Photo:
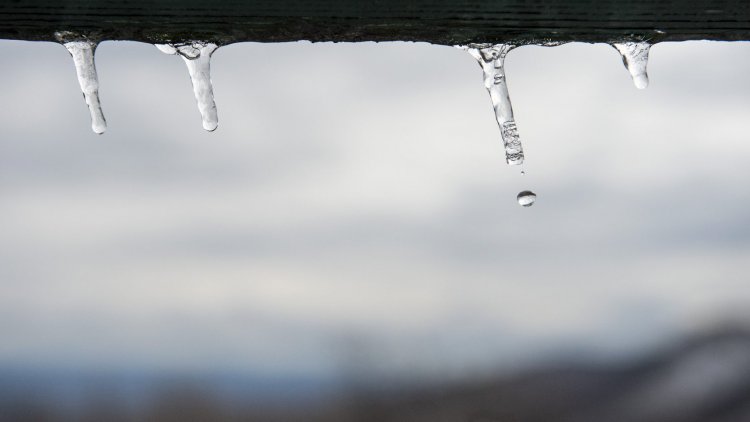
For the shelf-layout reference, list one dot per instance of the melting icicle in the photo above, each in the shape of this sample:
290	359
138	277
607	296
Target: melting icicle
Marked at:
492	61
526	198
83	58
197	56
635	59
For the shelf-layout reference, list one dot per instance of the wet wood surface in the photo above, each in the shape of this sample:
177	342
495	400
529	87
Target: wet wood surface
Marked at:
437	21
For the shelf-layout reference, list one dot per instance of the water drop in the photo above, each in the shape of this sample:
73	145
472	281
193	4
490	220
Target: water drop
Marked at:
197	57
83	59
526	198
635	59
492	60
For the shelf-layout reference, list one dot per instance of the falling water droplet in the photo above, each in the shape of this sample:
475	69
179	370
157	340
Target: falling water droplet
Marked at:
635	59
492	60
197	56
83	58
526	198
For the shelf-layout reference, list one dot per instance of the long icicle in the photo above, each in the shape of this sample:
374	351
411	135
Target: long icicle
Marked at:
197	57
492	61
83	58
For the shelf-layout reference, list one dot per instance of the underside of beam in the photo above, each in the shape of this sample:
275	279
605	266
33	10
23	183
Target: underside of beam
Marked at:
447	22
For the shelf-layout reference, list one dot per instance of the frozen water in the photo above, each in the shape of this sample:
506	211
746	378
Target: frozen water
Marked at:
166	48
83	58
197	57
526	198
492	60
635	59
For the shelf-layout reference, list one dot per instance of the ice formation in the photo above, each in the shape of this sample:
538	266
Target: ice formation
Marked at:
635	59
83	58
197	56
492	60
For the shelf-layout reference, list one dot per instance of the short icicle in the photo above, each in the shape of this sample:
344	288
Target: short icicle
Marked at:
492	60
635	58
197	56
83	58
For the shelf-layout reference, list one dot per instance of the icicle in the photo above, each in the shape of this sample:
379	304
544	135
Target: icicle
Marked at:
635	59
197	56
83	58
492	61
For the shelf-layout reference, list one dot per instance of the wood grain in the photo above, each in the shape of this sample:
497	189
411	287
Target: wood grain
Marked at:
437	21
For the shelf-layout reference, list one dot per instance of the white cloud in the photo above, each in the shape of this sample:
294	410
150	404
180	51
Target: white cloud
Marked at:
362	189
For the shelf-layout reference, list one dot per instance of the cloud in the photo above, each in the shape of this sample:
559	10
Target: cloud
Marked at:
359	191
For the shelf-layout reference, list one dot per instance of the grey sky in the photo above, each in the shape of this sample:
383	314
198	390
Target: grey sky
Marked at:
357	194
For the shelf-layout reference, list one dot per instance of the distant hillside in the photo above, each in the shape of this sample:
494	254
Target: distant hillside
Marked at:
704	379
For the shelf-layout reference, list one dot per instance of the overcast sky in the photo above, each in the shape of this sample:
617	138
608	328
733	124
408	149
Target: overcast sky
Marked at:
354	208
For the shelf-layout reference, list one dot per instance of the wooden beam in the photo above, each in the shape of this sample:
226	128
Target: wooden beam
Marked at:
447	22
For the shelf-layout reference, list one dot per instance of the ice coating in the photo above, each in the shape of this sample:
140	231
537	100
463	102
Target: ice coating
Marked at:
492	60
197	57
166	48
635	59
83	58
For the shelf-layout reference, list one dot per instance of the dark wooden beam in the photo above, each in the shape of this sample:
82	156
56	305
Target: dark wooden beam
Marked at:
437	21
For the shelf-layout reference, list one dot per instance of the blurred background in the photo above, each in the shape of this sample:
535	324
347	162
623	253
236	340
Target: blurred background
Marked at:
348	246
